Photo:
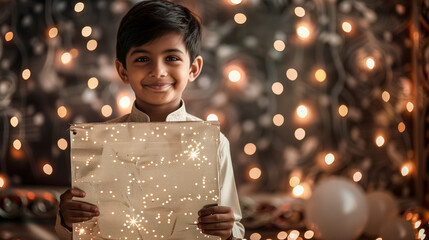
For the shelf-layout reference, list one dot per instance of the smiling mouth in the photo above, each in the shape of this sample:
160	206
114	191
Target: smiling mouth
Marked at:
158	86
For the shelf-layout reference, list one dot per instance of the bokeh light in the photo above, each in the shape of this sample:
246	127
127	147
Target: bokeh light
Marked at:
282	235
380	141
255	236
294	234
294	181
357	176
298	191
106	111
299	12
329	158
303	32
255	173
279	45
278	120
370	63
26	74
14	121
299	134
91	45
86	31
62	112
347	27
17	144
62	144
78	7
8	36
302	111
53	32
234	76
410	106
320	75
125	102
212	117
250	149
385	96
66	58
277	88
240	18
291	74
92	83
47	169
309	234
343	110
401	127
236	1
405	170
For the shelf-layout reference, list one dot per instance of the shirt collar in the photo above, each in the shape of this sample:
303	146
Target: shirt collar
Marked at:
179	115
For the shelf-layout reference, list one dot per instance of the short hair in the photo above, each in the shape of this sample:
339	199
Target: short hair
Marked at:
149	20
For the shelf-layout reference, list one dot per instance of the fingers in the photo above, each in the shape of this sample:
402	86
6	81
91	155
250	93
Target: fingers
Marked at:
76	211
217	221
72	192
214	210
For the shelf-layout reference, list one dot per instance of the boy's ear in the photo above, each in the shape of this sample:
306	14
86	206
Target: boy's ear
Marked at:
122	72
196	68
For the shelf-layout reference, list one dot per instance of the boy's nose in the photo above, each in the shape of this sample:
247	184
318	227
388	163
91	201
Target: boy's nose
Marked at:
158	70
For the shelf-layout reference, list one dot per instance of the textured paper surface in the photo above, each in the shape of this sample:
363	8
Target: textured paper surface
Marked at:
149	180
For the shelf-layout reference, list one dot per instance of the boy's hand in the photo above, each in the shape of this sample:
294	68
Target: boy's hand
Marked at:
217	221
76	211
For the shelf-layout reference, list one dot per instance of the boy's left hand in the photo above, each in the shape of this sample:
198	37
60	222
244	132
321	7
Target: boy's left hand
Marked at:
217	221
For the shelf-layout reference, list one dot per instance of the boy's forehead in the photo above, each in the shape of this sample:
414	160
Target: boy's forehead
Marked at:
170	40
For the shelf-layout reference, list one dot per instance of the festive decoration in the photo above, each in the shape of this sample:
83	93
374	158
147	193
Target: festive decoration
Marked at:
138	174
382	206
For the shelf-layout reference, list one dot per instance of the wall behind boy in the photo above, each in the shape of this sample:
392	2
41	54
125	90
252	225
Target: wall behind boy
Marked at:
303	89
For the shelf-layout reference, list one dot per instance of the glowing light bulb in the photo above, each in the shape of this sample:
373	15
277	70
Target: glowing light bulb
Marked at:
291	74
26	74
53	32
282	235
294	181
302	111
255	173
298	191
250	149
8	36
385	96
47	169
62	112
66	58
125	102
299	134
299	12
410	106
278	120
92	83
14	121
343	110
62	144
401	127
78	7
86	31
106	110
370	63
320	75
405	171
236	1
17	144
329	158
277	88
279	45
91	45
234	76
240	18
303	32
347	27
212	117
379	141
357	176
308	234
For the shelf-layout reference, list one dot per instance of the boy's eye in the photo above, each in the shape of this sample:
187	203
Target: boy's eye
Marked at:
142	59
172	58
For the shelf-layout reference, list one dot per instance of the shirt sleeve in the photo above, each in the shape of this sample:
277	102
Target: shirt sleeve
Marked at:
62	232
228	190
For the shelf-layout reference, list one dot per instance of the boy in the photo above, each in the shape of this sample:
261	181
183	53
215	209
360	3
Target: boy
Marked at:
158	54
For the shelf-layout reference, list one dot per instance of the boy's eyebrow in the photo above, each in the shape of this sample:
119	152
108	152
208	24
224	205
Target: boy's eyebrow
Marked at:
137	50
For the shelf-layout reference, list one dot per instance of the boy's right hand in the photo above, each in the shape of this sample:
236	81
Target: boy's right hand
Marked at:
76	211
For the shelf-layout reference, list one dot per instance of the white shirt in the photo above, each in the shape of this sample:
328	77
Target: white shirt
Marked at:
228	191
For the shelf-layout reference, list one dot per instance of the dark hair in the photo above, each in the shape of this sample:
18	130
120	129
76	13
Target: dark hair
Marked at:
149	20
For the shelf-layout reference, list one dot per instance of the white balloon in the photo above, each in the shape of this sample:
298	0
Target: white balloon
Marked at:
337	209
382	206
397	229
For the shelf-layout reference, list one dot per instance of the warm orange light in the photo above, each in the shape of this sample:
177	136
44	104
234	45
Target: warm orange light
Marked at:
343	110
53	32
379	141
86	31
405	170
357	176
91	45
47	169
291	74
282	235
370	63
26	73
125	102
299	12
385	96
303	32
278	120
106	110
8	36
347	27
329	158
401	127
320	75
250	149
92	83
17	144
277	88
78	7
240	18
212	117
62	144
309	234
236	1
279	45
410	106
2	182
299	134
302	111
62	112
255	236
66	58
14	121
255	173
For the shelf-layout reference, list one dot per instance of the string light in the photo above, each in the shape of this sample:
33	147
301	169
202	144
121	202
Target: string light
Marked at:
294	234
380	141
78	7
106	110
291	74
26	73
250	149
303	32
401	127
302	111
66	58
234	76
125	102
357	176
17	144
47	169
294	181
62	144
329	159
255	173
277	88
299	134
410	106
14	121
255	236
278	120
240	18
92	83
309	234
385	96
53	32
91	45
212	117
320	75
405	170
279	45
299	12
86	31
282	235
343	110
370	63
347	27
8	36
298	191
62	112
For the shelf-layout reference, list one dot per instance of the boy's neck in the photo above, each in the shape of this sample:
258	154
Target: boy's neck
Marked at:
157	113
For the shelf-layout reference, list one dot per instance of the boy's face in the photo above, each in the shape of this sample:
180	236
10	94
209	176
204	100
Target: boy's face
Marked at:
159	71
